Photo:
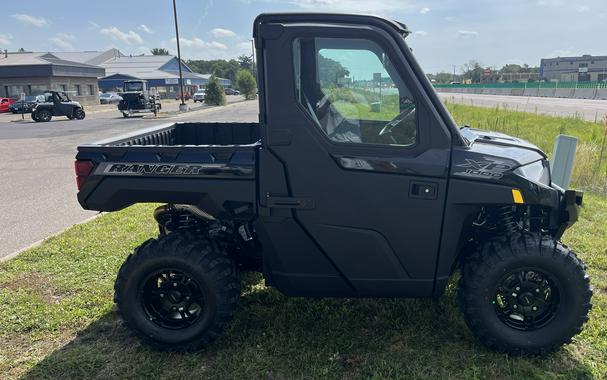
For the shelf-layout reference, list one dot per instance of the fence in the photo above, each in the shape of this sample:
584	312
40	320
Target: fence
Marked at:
579	90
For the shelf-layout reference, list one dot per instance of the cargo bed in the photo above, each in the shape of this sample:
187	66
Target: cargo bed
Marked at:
173	163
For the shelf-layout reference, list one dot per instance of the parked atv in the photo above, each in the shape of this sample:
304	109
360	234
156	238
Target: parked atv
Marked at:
338	192
57	104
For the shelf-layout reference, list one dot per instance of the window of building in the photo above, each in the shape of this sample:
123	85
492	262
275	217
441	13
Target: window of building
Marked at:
90	89
37	89
15	91
583	64
77	90
352	92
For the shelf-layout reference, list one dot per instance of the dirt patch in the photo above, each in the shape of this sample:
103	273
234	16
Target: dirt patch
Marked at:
37	283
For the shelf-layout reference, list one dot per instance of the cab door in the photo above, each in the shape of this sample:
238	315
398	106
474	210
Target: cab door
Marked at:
363	155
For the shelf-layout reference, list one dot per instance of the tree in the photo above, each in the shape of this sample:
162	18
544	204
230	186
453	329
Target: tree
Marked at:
21	50
329	71
215	93
473	71
246	62
159	51
246	84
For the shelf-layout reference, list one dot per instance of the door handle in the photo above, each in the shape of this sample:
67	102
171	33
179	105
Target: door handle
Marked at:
423	190
289	202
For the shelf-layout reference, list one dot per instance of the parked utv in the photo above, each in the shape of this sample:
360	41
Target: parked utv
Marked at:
136	98
57	104
341	192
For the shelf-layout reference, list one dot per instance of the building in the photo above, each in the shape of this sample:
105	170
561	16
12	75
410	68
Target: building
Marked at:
586	68
83	74
160	71
34	73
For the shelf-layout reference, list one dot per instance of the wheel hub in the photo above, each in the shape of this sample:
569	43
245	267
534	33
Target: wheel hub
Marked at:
172	299
526	299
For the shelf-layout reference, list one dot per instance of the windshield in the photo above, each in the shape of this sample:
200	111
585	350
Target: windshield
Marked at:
133	86
34	98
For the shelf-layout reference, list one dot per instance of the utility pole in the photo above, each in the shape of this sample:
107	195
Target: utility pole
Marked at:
453	73
182	106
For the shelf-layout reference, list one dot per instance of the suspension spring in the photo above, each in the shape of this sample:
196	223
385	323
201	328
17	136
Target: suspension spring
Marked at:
506	219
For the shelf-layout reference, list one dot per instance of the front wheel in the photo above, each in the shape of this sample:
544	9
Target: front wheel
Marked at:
79	114
177	292
524	294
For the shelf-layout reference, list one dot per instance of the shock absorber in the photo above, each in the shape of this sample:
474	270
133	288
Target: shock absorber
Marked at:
506	219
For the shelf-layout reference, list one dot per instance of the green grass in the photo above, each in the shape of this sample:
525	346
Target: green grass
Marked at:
57	317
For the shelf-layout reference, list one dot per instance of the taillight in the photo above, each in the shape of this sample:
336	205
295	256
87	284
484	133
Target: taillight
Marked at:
83	170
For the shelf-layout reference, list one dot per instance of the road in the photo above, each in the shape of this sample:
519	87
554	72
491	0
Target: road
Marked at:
587	109
38	186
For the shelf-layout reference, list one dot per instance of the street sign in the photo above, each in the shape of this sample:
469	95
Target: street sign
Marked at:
376	77
171	81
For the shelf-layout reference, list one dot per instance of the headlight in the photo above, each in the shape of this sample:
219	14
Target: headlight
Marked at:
538	172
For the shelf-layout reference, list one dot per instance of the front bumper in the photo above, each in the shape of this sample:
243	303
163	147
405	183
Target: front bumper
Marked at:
569	210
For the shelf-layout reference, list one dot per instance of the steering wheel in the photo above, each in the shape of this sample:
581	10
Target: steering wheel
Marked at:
407	112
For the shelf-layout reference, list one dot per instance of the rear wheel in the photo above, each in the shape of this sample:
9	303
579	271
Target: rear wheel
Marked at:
524	294
79	114
126	114
42	115
177	292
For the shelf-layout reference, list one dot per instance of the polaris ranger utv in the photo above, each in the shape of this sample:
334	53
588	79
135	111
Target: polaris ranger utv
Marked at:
341	192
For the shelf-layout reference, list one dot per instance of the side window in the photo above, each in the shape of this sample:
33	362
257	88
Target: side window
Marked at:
352	91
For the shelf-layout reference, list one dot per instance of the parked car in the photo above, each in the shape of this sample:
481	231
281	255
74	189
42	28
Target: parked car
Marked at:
186	96
231	91
26	105
5	103
326	204
199	96
109	98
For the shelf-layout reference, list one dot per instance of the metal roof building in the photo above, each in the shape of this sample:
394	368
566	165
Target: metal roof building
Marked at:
160	71
587	68
33	73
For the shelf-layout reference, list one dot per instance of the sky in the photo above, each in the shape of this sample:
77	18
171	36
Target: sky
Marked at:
446	33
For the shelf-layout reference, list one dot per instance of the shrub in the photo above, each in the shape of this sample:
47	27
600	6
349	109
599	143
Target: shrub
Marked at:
215	93
246	84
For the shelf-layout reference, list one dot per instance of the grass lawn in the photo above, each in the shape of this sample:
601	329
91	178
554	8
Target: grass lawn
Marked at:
57	320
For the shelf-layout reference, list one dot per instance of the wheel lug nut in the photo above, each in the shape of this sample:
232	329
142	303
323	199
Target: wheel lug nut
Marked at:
537	290
161	295
517	288
187	297
515	306
174	284
534	308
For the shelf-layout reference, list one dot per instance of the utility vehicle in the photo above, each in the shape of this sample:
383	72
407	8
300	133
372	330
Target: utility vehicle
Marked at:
339	191
57	103
137	98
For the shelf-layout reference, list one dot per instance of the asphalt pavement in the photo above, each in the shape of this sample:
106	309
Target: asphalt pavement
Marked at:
38	185
587	109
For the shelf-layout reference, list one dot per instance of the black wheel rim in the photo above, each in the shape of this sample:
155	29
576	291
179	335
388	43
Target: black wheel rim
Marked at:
172	299
526	299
